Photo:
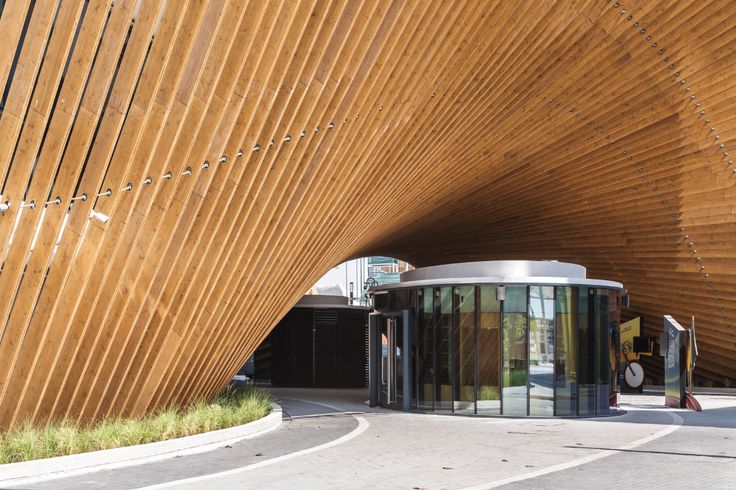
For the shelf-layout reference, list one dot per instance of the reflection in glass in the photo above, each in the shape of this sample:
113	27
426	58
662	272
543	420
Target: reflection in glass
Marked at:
586	351
489	396
515	351
425	349
465	349
541	350
602	352
384	361
614	319
398	361
443	307
565	350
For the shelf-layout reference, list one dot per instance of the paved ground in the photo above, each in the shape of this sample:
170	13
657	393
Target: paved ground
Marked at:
346	445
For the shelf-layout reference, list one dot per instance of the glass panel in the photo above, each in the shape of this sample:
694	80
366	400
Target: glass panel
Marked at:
380	302
489	396
383	389
443	305
425	349
515	301
399	360
565	351
541	350
464	349
602	354
515	352
586	351
399	299
614	322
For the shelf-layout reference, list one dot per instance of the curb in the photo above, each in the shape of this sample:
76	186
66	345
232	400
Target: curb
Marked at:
34	471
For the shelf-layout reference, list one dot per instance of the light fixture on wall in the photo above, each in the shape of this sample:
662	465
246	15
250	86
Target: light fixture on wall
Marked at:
500	293
102	218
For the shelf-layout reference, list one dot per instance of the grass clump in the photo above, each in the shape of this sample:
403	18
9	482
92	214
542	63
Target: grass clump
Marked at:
234	407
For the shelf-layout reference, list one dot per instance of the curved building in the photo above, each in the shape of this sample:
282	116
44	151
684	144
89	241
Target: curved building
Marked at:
176	174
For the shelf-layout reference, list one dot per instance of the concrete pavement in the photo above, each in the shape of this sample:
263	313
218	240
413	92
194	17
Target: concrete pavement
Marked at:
332	440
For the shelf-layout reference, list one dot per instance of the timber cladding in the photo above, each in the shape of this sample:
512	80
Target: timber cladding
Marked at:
233	151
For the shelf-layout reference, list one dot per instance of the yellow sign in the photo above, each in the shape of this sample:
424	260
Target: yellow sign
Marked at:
628	331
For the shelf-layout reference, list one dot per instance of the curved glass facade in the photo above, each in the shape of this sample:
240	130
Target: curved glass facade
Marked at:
487	349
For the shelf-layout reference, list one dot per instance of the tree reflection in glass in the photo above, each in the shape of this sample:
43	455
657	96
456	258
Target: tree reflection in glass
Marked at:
541	350
515	351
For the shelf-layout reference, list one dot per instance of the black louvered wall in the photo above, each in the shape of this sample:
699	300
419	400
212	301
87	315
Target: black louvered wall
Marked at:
316	347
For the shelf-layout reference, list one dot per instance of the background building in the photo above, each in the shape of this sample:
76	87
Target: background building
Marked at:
355	276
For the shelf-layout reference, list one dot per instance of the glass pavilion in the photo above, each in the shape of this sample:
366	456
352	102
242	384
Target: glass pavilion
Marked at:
511	338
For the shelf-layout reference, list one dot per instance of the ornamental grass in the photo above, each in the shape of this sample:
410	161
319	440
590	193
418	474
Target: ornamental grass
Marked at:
27	442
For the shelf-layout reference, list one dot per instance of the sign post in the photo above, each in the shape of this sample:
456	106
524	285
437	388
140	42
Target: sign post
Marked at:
675	363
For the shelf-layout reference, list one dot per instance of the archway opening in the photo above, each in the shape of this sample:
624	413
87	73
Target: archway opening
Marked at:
322	342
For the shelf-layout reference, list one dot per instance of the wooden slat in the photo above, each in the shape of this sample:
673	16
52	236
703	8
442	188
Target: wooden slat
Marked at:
430	131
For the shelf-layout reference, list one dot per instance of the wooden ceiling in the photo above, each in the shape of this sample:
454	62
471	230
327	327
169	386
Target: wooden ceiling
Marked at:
242	148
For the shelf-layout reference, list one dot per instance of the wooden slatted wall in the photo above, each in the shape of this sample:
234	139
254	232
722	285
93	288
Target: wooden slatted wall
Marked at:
175	174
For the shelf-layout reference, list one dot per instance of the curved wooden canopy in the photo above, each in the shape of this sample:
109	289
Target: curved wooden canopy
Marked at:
242	148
